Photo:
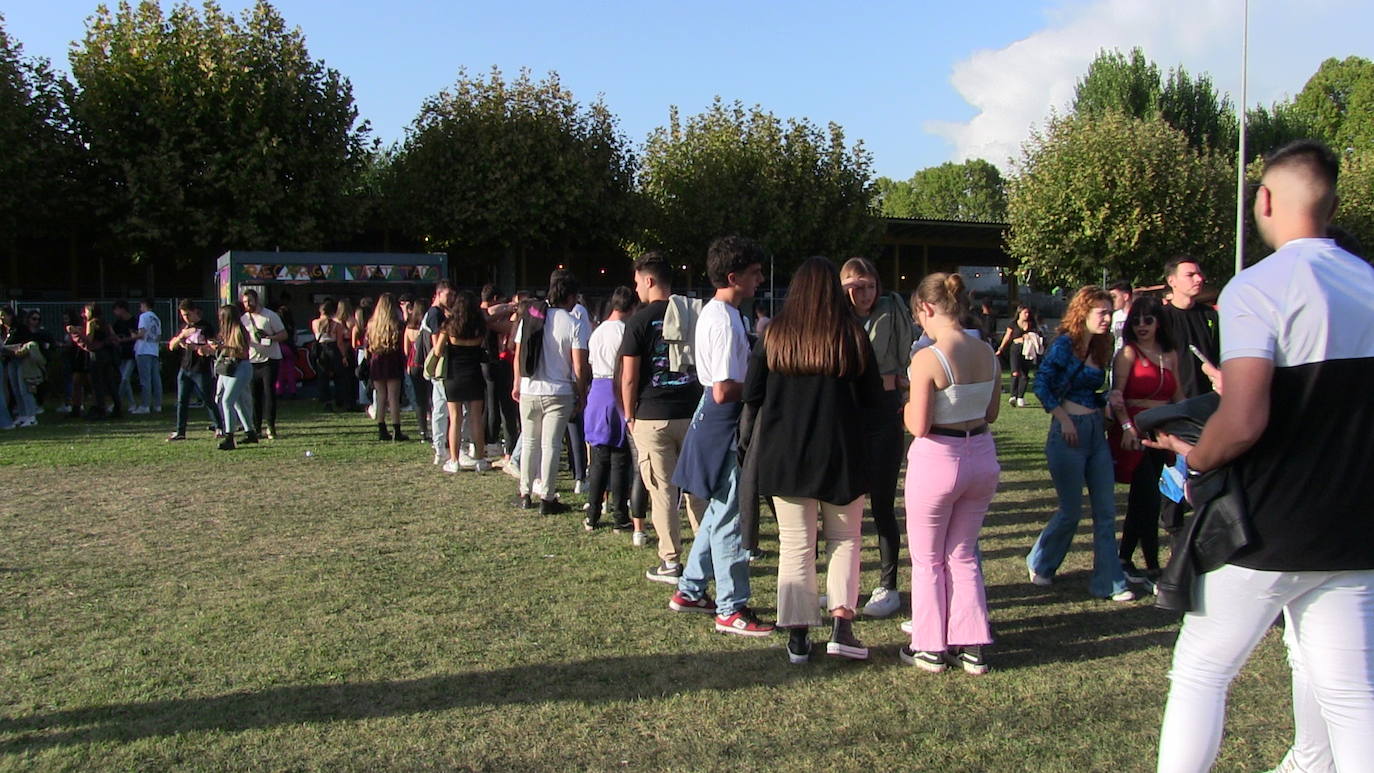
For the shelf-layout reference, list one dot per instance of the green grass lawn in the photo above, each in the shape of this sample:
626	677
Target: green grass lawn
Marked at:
169	606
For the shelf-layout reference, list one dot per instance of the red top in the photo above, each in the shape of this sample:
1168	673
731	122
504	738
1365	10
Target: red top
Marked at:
1148	381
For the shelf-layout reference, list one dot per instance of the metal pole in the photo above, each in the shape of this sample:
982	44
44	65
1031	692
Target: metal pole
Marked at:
1240	142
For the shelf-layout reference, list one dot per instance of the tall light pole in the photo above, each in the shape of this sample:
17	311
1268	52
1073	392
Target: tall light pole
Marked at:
1240	142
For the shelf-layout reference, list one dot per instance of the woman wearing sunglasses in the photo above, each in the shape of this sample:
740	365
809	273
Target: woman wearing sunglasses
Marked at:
1144	375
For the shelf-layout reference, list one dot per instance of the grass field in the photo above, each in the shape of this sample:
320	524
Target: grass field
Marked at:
168	606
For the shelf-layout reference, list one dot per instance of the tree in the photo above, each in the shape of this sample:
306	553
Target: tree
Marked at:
973	190
1338	100
1268	129
513	165
795	188
1133	86
1117	193
894	198
41	156
213	133
1355	188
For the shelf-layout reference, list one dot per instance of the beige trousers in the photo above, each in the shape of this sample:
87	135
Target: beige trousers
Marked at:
659	441
797	598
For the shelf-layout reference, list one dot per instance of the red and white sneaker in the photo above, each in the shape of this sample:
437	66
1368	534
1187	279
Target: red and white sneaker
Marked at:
743	623
680	603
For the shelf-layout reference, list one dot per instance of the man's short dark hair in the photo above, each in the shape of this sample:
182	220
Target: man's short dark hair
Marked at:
442	285
562	287
249	293
488	293
146	303
120	304
731	255
623	299
655	264
1315	156
1172	264
1121	286
187	305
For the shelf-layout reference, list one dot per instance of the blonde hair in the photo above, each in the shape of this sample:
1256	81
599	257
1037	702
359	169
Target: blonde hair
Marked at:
946	292
384	330
231	335
861	267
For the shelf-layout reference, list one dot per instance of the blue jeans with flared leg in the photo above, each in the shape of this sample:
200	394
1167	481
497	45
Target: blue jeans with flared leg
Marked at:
1090	463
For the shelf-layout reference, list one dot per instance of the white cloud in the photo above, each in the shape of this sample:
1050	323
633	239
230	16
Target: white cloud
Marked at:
1015	88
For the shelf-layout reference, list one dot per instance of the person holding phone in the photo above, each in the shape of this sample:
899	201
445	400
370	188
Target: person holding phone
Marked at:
193	377
1068	384
231	351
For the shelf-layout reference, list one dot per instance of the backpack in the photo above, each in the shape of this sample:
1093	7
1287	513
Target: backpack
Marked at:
532	337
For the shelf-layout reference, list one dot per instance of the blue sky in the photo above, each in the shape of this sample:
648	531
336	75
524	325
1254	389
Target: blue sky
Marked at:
920	83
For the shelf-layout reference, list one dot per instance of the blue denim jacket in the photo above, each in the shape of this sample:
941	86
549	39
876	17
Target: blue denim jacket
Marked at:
1055	370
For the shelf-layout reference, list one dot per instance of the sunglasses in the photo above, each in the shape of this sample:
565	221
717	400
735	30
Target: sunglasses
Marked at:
1145	320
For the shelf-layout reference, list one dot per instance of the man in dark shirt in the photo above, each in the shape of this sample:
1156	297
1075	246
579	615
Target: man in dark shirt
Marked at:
1191	324
659	403
430	325
122	323
193	377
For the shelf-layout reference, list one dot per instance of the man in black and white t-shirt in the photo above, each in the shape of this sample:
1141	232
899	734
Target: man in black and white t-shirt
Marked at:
1296	427
431	324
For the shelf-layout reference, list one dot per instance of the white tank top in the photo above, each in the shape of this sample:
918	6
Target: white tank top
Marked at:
958	403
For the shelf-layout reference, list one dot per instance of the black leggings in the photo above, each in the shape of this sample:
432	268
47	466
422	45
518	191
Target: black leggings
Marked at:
887	463
612	463
500	408
329	361
1020	369
1141	526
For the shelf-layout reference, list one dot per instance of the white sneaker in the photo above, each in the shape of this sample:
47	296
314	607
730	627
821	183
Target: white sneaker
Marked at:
511	468
579	487
883	603
466	462
39	412
440	457
1011	400
137	410
640	539
1124	596
26	421
906	627
372	411
1039	579
1020	402
450	466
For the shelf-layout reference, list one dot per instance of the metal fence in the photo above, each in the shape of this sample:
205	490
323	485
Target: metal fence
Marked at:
53	312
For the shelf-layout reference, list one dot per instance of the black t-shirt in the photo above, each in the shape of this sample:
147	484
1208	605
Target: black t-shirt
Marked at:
433	321
190	361
123	328
663	393
1198	326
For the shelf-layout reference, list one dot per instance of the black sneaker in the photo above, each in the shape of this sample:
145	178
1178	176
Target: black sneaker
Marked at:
665	573
227	444
523	502
934	662
1133	575
623	526
552	507
843	643
971	659
249	437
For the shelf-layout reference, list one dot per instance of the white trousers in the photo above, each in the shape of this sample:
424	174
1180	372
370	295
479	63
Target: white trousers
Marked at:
1329	618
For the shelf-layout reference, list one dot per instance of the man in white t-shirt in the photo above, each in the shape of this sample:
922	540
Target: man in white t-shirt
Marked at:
146	339
707	466
265	334
1120	291
550	394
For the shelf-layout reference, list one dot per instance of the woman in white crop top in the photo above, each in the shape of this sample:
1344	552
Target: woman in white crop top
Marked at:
951	477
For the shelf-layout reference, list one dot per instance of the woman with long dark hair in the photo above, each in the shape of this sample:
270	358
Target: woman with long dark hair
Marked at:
464	334
415	366
235	374
813	381
951	478
888	325
386	366
1014	341
1144	376
1068	385
331	352
100	344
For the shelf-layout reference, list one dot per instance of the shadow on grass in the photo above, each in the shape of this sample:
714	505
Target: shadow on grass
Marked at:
592	681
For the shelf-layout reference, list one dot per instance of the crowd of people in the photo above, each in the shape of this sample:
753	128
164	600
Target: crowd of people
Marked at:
667	403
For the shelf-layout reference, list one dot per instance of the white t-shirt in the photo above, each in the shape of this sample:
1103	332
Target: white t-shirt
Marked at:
605	345
721	345
152	332
562	334
1119	327
267	323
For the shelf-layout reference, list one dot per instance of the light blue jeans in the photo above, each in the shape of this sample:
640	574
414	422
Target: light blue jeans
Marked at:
127	368
150	380
1090	462
25	404
232	394
438	418
717	550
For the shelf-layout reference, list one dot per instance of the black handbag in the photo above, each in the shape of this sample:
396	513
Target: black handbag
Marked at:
225	365
363	371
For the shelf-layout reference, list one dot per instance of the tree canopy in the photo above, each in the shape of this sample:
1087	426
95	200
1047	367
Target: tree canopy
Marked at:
512	164
1116	193
799	190
1132	85
972	190
211	132
1338	101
